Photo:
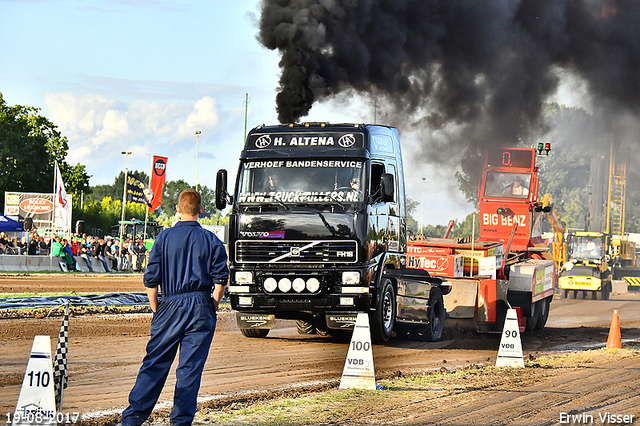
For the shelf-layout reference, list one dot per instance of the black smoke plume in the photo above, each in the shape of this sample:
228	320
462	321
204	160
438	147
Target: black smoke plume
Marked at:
483	67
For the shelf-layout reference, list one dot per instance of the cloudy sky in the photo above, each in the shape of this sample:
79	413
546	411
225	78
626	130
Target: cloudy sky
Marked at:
145	75
140	76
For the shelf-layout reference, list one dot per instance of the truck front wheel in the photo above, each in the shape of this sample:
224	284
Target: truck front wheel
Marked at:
383	318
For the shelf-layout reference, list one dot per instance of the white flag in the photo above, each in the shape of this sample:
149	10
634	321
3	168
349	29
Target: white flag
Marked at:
61	196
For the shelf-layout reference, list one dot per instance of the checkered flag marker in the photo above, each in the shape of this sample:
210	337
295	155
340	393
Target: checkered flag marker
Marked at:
60	371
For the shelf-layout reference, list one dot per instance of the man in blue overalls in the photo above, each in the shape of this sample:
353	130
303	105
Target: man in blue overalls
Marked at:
188	263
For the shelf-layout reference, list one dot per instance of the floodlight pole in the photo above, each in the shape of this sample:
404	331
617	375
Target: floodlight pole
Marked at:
246	106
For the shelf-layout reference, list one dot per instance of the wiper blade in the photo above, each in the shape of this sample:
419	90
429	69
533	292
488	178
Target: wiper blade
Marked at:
279	202
333	203
340	204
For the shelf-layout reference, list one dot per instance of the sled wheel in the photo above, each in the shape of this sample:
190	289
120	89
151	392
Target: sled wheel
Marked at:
532	320
543	313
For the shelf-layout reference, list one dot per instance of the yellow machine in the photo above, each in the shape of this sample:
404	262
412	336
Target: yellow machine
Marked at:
586	275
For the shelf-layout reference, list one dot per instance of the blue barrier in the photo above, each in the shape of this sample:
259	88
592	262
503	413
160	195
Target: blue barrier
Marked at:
110	299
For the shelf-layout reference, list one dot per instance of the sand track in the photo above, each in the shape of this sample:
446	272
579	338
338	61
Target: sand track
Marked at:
106	349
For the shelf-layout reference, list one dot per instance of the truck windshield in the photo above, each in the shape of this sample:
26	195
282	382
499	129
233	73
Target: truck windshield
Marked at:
585	248
301	181
507	185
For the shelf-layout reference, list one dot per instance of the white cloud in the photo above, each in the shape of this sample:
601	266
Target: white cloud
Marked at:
87	123
99	128
75	113
115	126
203	117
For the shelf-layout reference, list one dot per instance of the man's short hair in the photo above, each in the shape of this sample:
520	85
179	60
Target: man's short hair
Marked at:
189	202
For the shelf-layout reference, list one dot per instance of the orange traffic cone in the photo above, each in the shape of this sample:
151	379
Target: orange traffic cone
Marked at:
613	342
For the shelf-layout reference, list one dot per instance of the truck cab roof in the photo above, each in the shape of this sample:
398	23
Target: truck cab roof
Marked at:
322	140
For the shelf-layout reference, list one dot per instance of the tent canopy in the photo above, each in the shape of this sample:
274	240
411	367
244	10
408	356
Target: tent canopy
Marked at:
9	225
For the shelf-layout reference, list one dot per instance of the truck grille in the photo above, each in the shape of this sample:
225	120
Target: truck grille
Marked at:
296	251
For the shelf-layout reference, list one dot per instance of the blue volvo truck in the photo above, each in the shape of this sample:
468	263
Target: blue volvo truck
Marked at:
317	234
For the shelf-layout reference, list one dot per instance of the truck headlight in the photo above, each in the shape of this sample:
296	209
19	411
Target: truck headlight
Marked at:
347	301
313	285
244	277
298	285
245	300
284	285
350	277
270	284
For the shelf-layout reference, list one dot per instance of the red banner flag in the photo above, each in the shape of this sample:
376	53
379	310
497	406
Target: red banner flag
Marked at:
157	180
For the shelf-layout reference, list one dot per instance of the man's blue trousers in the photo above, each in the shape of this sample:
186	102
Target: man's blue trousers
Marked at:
185	321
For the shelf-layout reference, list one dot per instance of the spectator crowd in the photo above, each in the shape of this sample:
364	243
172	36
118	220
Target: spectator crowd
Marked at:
130	255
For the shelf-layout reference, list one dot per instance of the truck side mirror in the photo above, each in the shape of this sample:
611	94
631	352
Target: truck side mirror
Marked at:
388	187
221	189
